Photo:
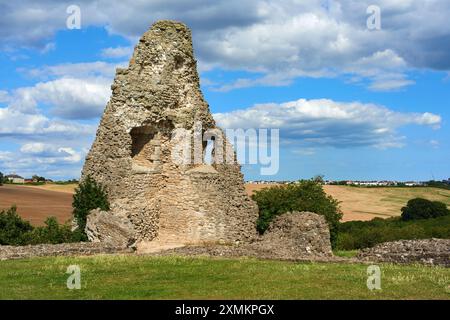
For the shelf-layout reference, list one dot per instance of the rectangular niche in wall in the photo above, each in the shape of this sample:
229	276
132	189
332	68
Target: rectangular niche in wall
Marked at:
146	148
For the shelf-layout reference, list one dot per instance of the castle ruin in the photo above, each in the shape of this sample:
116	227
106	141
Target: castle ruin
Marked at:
153	197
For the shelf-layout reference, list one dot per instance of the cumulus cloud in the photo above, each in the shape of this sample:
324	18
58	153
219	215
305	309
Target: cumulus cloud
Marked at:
71	90
4	96
18	125
44	159
282	40
68	98
324	122
49	147
74	70
43	117
50	152
117	52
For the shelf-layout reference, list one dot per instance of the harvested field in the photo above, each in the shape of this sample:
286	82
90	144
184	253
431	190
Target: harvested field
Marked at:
69	188
35	204
358	203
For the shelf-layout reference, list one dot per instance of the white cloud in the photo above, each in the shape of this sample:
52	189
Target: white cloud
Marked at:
389	84
50	152
48	47
70	90
69	98
74	70
324	122
48	147
434	143
43	159
4	96
18	125
117	52
281	40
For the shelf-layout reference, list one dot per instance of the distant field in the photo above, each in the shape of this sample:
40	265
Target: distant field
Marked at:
143	277
69	188
36	203
368	203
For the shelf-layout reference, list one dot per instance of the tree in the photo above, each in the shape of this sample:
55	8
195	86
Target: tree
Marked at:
12	228
53	232
37	178
306	195
89	195
419	208
1	178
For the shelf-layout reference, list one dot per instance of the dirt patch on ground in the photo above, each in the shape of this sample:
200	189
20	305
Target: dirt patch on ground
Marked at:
36	205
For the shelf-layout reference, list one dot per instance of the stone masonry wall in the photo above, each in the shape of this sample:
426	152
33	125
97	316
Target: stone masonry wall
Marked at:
65	249
132	152
425	251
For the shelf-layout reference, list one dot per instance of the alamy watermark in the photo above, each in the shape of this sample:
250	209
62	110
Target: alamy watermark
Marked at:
373	277
74	279
215	146
73	21
373	22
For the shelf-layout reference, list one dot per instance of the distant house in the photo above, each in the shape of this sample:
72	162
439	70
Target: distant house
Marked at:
14	178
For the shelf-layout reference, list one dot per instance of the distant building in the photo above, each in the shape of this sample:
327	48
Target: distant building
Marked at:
14	178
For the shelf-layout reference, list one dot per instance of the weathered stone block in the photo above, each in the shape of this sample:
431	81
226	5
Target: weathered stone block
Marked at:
104	227
297	234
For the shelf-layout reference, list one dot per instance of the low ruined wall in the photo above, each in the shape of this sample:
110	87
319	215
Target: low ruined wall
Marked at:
296	234
64	249
426	251
291	236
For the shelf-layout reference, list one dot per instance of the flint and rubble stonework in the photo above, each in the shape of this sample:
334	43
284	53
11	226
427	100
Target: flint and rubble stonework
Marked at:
425	251
293	236
157	198
60	250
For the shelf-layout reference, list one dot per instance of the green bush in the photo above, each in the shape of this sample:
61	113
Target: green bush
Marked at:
419	208
13	229
16	231
305	195
54	233
364	234
89	195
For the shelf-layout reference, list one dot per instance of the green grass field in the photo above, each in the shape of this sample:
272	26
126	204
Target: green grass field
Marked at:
140	277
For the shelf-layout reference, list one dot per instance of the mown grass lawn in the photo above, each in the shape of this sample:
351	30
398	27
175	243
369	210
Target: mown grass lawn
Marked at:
143	277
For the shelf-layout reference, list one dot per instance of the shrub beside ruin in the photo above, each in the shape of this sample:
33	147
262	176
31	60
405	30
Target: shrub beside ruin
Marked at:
366	234
16	231
89	195
304	195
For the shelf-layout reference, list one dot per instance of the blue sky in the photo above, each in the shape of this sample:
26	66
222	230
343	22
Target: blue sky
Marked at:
350	103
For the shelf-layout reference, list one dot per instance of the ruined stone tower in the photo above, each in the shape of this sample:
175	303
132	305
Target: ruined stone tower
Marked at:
153	197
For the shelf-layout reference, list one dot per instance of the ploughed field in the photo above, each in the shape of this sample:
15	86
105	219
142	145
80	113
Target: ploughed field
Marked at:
36	203
145	277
